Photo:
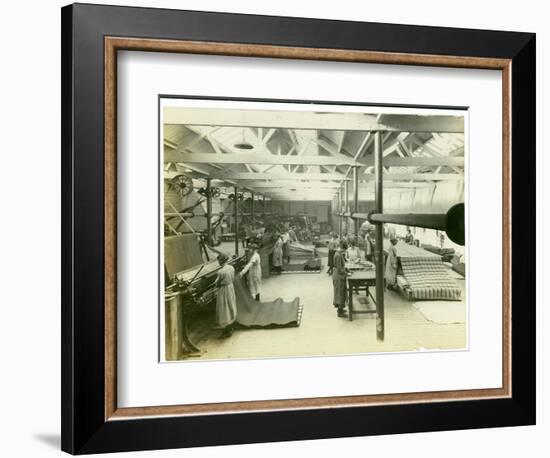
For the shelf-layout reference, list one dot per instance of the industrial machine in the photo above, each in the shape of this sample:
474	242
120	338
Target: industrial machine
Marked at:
190	291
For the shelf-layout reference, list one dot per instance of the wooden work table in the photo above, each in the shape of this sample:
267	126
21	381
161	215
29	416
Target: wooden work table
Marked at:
360	280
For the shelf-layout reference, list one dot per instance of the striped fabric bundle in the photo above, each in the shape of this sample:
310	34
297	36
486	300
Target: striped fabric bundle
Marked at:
428	279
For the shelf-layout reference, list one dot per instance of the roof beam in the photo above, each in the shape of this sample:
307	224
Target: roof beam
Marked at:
418	176
418	161
311	120
271	159
419	123
284	185
278	176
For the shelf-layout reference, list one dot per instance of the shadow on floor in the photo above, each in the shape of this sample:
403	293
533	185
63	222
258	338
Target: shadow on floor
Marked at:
51	439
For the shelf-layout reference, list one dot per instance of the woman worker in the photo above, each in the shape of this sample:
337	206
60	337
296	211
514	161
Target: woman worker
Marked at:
391	265
353	254
277	256
226	303
286	246
254	269
339	275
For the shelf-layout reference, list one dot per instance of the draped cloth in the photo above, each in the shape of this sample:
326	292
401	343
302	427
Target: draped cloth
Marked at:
273	314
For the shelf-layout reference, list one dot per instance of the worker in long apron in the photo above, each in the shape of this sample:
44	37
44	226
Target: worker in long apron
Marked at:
254	269
339	280
277	256
226	302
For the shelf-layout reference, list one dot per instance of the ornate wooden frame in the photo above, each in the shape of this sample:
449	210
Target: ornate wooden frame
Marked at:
92	35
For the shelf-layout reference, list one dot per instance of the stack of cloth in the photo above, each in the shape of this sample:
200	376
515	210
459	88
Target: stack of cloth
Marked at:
427	278
313	265
297	250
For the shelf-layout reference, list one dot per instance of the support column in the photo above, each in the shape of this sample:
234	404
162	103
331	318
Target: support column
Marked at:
236	216
346	206
340	211
264	210
355	201
209	211
379	251
252	208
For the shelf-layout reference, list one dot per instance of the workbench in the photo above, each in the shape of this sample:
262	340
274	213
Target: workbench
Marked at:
360	280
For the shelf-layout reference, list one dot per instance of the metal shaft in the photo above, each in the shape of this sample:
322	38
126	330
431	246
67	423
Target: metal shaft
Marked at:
379	250
429	221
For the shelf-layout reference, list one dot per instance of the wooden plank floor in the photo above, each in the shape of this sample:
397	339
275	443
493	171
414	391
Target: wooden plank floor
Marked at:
323	333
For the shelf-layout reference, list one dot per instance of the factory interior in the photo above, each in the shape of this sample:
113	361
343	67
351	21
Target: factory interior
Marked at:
306	233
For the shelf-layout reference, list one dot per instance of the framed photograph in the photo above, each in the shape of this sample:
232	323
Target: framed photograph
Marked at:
272	221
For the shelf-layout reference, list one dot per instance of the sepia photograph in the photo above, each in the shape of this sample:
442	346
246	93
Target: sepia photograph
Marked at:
302	229
270	221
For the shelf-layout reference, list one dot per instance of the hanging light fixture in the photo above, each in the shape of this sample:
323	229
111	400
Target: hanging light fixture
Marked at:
244	145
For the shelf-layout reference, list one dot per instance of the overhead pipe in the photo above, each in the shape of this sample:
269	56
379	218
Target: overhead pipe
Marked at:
451	222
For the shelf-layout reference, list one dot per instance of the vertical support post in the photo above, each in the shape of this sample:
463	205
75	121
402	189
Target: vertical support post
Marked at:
264	211
379	251
252	208
355	201
340	211
209	211
236	216
346	207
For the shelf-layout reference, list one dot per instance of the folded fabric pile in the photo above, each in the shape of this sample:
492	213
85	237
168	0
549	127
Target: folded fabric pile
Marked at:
298	250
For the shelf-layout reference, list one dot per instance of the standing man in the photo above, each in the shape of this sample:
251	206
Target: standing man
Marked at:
254	269
339	281
226	303
409	238
332	247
